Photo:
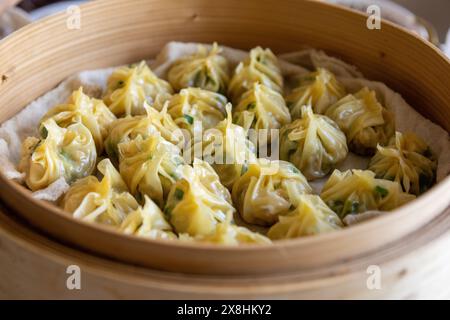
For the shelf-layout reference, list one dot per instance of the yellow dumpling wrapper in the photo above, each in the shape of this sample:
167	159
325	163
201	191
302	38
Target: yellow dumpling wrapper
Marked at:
194	106
261	108
314	144
320	89
365	122
268	189
357	191
149	166
107	201
147	221
227	149
311	216
129	87
407	160
204	69
261	66
198	202
154	122
227	233
61	152
93	113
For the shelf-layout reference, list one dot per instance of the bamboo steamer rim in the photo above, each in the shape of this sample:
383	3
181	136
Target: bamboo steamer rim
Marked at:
393	260
395	217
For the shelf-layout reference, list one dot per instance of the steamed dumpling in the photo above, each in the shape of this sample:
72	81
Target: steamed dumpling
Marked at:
198	202
228	233
357	191
365	122
154	122
147	221
107	201
314	143
261	108
228	149
130	86
193	106
319	89
61	152
261	66
311	216
149	166
93	113
204	69
267	190
407	160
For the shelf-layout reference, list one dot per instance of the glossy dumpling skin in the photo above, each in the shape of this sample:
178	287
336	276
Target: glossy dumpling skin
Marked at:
227	233
130	86
147	221
194	106
364	120
128	128
107	201
314	143
311	216
407	160
204	69
261	66
61	152
227	148
357	191
319	89
93	113
261	108
267	190
149	166
198	202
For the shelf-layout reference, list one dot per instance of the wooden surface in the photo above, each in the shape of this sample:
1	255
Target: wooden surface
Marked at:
34	267
113	32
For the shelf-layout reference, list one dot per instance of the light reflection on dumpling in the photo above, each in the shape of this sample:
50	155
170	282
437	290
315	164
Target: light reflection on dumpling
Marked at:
364	121
62	152
227	148
93	113
408	160
311	216
261	66
204	69
147	221
198	202
154	122
314	143
320	89
268	189
357	191
130	86
149	166
194	106
106	201
261	108
227	233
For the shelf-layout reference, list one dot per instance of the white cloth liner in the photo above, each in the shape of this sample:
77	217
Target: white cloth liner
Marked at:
25	123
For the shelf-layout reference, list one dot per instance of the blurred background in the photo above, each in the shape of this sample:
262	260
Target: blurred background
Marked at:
430	19
436	12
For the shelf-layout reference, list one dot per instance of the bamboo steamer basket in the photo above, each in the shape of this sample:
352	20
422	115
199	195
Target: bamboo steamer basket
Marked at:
115	32
34	267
